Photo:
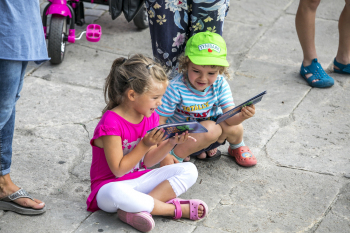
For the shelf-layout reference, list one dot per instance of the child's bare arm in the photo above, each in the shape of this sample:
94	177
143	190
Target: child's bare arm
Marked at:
120	164
246	113
168	159
155	155
162	120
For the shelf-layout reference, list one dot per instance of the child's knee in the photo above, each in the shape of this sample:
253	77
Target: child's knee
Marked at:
190	172
214	132
233	130
312	4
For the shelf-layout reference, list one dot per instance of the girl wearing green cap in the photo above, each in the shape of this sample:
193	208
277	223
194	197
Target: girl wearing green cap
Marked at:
201	93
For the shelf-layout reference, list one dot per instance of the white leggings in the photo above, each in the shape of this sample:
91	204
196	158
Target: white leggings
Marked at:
132	195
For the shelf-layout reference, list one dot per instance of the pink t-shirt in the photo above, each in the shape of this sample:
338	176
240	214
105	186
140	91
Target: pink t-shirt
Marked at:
131	134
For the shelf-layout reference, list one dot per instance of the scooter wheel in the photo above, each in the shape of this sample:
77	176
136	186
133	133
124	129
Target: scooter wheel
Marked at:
57	39
141	18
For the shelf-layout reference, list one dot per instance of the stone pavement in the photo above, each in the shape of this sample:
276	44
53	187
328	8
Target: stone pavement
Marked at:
300	135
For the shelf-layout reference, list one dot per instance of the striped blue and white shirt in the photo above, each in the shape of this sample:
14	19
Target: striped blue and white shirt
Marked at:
181	102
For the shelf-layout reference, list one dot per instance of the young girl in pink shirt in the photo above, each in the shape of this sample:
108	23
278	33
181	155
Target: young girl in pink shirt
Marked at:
122	150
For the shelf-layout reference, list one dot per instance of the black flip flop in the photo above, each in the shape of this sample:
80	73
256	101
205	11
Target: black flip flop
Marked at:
212	158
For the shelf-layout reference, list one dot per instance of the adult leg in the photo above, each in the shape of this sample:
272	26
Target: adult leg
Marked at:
11	81
168	28
311	70
343	55
305	26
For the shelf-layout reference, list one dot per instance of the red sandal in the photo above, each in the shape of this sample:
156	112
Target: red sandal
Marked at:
243	156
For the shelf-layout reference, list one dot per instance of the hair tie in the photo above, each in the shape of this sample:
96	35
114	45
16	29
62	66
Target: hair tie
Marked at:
149	66
131	79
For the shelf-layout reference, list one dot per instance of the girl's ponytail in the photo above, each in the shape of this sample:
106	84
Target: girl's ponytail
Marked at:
135	73
114	86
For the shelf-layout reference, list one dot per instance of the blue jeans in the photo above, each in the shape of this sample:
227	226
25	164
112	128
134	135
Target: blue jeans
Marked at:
11	82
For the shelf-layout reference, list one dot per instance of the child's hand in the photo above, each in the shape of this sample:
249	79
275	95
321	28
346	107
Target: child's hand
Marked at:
181	139
154	137
168	160
248	111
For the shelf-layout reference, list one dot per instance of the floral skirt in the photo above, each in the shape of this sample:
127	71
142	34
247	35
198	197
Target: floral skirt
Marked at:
172	22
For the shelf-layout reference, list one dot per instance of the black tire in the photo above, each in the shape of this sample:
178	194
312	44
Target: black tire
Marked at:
141	19
58	32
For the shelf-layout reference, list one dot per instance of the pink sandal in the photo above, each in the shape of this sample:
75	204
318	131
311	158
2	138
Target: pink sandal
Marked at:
243	156
194	203
141	221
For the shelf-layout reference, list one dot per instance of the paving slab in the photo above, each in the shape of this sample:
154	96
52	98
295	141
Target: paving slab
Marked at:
253	13
105	222
50	103
60	216
239	40
82	66
275	200
102	7
274	111
280	43
216	179
121	37
337	219
317	139
94	12
326	10
42	174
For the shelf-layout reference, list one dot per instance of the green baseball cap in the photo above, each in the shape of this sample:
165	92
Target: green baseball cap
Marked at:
207	48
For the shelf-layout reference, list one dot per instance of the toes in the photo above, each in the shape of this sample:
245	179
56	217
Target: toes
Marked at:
26	202
212	152
203	155
187	159
200	210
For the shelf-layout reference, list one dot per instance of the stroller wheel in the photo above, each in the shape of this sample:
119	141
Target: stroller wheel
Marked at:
141	19
57	38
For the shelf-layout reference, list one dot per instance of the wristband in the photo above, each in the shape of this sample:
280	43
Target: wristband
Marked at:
178	158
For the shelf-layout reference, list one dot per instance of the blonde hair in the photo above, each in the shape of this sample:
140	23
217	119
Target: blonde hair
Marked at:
184	61
135	73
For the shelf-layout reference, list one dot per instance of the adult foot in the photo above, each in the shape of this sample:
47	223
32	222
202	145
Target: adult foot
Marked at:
7	187
342	66
315	76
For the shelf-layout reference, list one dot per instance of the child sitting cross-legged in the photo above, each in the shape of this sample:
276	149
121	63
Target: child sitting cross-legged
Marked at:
122	150
201	93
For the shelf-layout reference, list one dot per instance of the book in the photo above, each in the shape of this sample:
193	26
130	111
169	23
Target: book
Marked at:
238	108
172	128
